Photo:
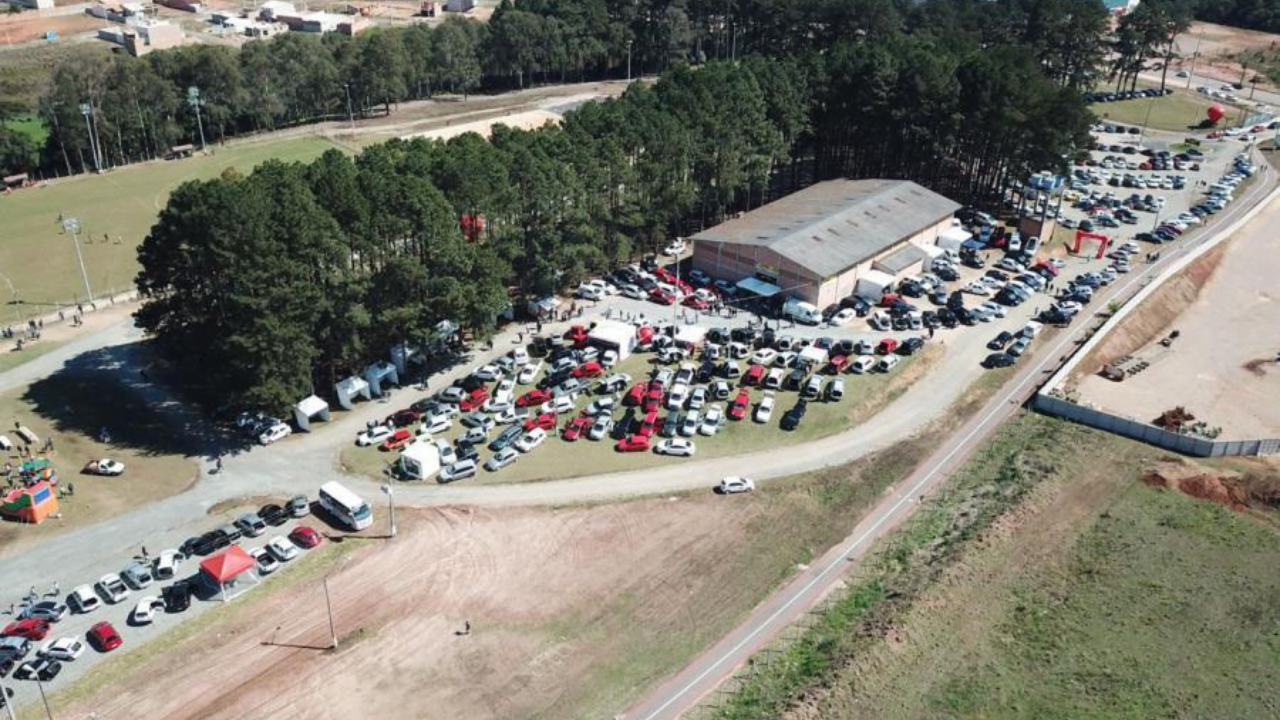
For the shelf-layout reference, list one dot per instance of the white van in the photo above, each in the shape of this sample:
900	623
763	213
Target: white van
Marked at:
802	312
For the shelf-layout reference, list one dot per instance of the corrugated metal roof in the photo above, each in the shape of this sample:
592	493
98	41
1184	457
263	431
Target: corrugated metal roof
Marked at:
900	259
834	225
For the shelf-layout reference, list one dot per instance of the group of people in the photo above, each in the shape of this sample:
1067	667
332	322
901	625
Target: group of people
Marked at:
31	598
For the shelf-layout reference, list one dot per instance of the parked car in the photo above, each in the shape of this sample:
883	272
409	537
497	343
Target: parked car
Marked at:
177	597
998	360
250	524
712	421
764	410
791	418
83	600
576	428
460	470
30	629
738	408
298	506
734	484
50	610
373	435
104	638
65	649
633	443
279	431
112	588
145	611
678	447
305	537
531	440
42	669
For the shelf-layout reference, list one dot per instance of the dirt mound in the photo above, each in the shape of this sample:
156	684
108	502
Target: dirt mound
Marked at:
1238	491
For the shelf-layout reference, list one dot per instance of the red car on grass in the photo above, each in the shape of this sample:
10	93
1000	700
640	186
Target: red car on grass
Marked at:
838	364
398	439
649	425
31	629
588	370
104	638
887	346
662	297
477	398
635	395
305	537
653	397
633	443
533	398
576	428
546	421
755	374
742	403
576	335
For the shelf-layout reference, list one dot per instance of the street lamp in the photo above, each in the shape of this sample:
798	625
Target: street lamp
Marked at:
351	116
87	110
328	607
629	61
72	225
193	99
391	503
40	684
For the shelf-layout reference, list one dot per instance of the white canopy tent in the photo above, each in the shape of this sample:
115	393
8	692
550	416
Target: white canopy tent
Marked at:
311	408
611	334
402	355
690	335
350	389
420	460
378	373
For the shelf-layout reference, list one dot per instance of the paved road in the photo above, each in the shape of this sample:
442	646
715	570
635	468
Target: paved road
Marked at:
683	692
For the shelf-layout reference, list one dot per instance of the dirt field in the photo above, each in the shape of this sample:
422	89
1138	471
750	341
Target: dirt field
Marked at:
1218	44
1223	367
574	612
28	26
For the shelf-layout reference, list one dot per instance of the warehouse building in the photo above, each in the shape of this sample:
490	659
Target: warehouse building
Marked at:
818	243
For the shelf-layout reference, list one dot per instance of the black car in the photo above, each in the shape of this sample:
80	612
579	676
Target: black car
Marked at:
506	437
466	451
963	316
41	669
273	515
998	360
910	346
671	424
998	342
930	320
946	272
176	597
743	334
956	301
705	370
795	379
791	419
720	336
843	347
938	297
947	317
910	289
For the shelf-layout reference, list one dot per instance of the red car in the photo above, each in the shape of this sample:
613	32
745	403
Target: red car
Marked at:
588	370
683	286
104	637
576	428
478	397
633	443
576	335
838	364
888	299
31	629
664	275
533	398
648	426
403	418
887	346
635	395
695	302
546	421
398	439
305	537
754	375
653	398
644	336
738	409
662	297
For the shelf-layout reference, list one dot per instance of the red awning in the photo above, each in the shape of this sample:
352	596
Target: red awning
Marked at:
226	565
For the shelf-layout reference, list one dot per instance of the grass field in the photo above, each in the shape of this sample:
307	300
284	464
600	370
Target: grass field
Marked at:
865	395
1178	112
30	125
115	210
1045	582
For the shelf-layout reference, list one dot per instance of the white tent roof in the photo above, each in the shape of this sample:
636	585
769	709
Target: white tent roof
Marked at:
352	386
691	334
311	406
759	287
814	354
613	332
420	459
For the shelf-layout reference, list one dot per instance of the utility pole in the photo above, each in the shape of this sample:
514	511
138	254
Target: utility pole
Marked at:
391	502
47	712
351	117
193	99
1195	56
329	608
629	61
73	226
86	109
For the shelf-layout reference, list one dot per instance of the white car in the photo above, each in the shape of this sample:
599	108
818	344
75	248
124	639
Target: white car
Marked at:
488	373
145	611
844	317
505	390
698	397
600	428
676	446
512	415
529	373
501	459
83	599
977	288
497	404
633	292
448	455
692	421
764	356
887	363
616	382
457	471
63	649
373	436
675	248
712	422
520	355
1121	266
589	292
784	359
531	440
562	404
733	485
764	410
276	432
435	424
995	308
601	406
1069	307
106	466
679	393
475	436
282	548
166	564
112	588
267	563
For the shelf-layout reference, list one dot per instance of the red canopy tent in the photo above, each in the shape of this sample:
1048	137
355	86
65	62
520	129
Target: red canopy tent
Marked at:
226	566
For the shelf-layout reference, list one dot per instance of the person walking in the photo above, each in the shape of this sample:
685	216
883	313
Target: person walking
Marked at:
466	627
57	589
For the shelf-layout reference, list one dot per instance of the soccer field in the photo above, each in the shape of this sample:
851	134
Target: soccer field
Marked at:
115	210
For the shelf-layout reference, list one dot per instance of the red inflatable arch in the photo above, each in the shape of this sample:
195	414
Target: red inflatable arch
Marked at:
1103	241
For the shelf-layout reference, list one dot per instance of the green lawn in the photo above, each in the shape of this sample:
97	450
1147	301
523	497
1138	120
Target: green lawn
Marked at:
865	395
30	125
115	211
1178	112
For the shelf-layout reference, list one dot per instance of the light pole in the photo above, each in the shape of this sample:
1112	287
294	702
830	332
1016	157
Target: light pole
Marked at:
391	504
193	99
73	225
328	607
629	61
86	110
351	116
40	684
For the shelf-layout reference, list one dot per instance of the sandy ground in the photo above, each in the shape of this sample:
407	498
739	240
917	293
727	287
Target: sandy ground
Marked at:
1233	322
1215	44
28	26
534	583
529	120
